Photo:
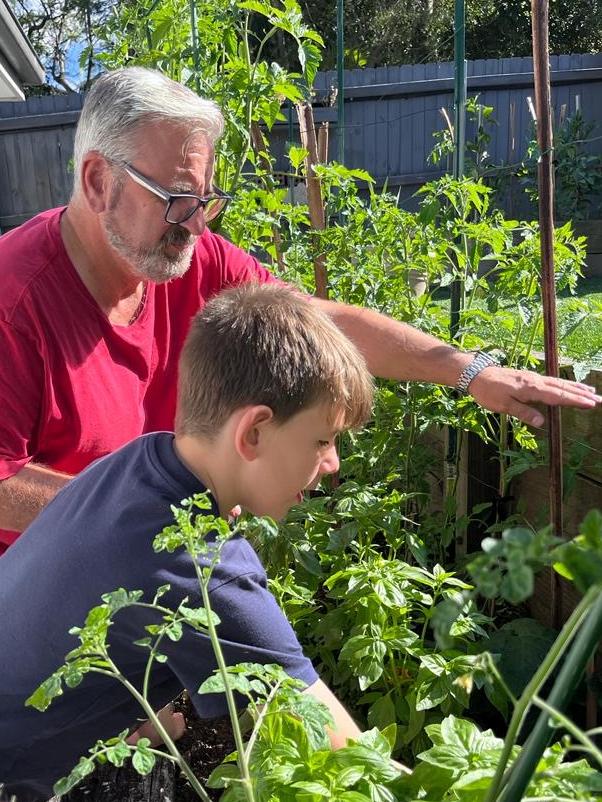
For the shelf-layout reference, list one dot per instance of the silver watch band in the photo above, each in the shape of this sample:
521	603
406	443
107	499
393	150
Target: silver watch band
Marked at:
480	361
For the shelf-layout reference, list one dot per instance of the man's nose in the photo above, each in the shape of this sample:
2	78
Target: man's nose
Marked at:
195	224
330	461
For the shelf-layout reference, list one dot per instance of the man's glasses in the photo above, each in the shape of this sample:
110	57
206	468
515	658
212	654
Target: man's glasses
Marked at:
180	206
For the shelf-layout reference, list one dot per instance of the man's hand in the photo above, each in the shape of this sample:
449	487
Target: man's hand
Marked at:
514	391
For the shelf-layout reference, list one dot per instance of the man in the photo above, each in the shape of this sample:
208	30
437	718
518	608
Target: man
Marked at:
97	298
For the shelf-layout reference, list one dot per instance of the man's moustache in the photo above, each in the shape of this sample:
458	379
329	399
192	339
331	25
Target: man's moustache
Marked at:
178	236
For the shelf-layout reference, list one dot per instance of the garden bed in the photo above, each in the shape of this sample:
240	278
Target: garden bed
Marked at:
204	745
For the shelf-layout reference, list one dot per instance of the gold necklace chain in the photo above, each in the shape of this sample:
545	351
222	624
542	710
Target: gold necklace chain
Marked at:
139	308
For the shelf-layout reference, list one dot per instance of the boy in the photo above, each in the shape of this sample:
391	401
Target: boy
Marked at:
266	383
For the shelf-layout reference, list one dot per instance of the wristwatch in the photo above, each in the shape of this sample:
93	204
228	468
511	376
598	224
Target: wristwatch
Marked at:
480	361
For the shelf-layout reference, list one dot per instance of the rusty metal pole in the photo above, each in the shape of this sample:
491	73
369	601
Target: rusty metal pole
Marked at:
541	68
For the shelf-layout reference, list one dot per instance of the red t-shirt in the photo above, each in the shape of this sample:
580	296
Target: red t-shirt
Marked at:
73	386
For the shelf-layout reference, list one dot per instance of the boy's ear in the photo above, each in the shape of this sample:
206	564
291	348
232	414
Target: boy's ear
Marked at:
250	431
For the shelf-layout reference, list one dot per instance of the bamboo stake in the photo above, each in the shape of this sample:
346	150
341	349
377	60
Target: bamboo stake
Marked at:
314	193
323	143
541	67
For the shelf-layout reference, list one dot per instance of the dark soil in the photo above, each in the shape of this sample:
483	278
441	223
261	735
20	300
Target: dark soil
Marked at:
204	746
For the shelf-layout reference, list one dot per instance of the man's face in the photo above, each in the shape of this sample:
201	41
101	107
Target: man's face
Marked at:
135	224
293	457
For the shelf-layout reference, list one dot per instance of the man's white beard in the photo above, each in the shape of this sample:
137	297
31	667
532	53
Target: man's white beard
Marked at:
153	264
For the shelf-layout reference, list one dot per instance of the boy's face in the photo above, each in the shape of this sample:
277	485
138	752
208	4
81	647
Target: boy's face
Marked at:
292	457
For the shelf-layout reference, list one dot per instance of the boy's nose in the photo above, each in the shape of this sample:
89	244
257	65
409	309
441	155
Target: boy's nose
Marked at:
330	461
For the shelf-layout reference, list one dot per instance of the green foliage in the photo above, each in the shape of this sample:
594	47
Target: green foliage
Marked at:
581	559
461	764
519	647
364	616
377	630
201	535
225	61
476	156
287	766
403	32
577	172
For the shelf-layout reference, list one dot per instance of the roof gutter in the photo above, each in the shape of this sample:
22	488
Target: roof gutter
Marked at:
16	48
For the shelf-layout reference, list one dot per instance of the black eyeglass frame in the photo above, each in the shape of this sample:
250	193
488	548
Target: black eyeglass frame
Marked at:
170	197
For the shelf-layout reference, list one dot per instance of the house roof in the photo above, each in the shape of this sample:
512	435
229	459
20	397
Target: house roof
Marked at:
19	64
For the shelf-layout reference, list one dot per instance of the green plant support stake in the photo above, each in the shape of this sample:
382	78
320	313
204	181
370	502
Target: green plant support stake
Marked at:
571	672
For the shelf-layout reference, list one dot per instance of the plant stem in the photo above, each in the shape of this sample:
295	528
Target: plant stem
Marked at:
232	709
539	678
569	675
502	448
494	670
263	713
154	719
568	725
532	336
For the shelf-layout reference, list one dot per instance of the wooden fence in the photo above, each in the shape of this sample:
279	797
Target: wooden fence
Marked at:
36	147
390	116
391	113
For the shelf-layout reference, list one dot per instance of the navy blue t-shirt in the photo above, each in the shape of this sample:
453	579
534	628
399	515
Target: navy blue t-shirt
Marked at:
94	537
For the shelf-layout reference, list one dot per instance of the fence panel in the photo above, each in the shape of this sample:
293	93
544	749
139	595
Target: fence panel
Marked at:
36	146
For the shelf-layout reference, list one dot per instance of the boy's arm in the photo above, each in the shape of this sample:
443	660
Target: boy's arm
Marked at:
344	726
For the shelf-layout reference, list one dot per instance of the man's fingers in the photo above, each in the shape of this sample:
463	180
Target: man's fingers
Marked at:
515	391
561	392
525	413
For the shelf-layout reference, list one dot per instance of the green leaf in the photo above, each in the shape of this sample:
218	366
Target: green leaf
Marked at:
221	776
448	756
143	759
42	697
198	617
517	585
121	598
118	754
476	780
313	787
459	732
84	767
297	156
382	712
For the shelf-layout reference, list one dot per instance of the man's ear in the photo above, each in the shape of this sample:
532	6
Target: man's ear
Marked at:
250	431
96	181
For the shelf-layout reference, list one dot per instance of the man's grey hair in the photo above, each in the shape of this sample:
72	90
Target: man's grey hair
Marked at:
122	102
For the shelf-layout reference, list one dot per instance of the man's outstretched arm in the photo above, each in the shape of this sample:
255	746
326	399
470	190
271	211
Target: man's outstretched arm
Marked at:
23	495
398	351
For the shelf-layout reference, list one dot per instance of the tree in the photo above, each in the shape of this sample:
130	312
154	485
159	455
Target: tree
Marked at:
502	28
381	32
62	33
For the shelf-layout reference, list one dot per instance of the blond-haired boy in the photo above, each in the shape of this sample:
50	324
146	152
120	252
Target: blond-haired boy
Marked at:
266	383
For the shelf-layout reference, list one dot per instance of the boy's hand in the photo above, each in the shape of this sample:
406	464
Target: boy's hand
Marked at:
174	723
